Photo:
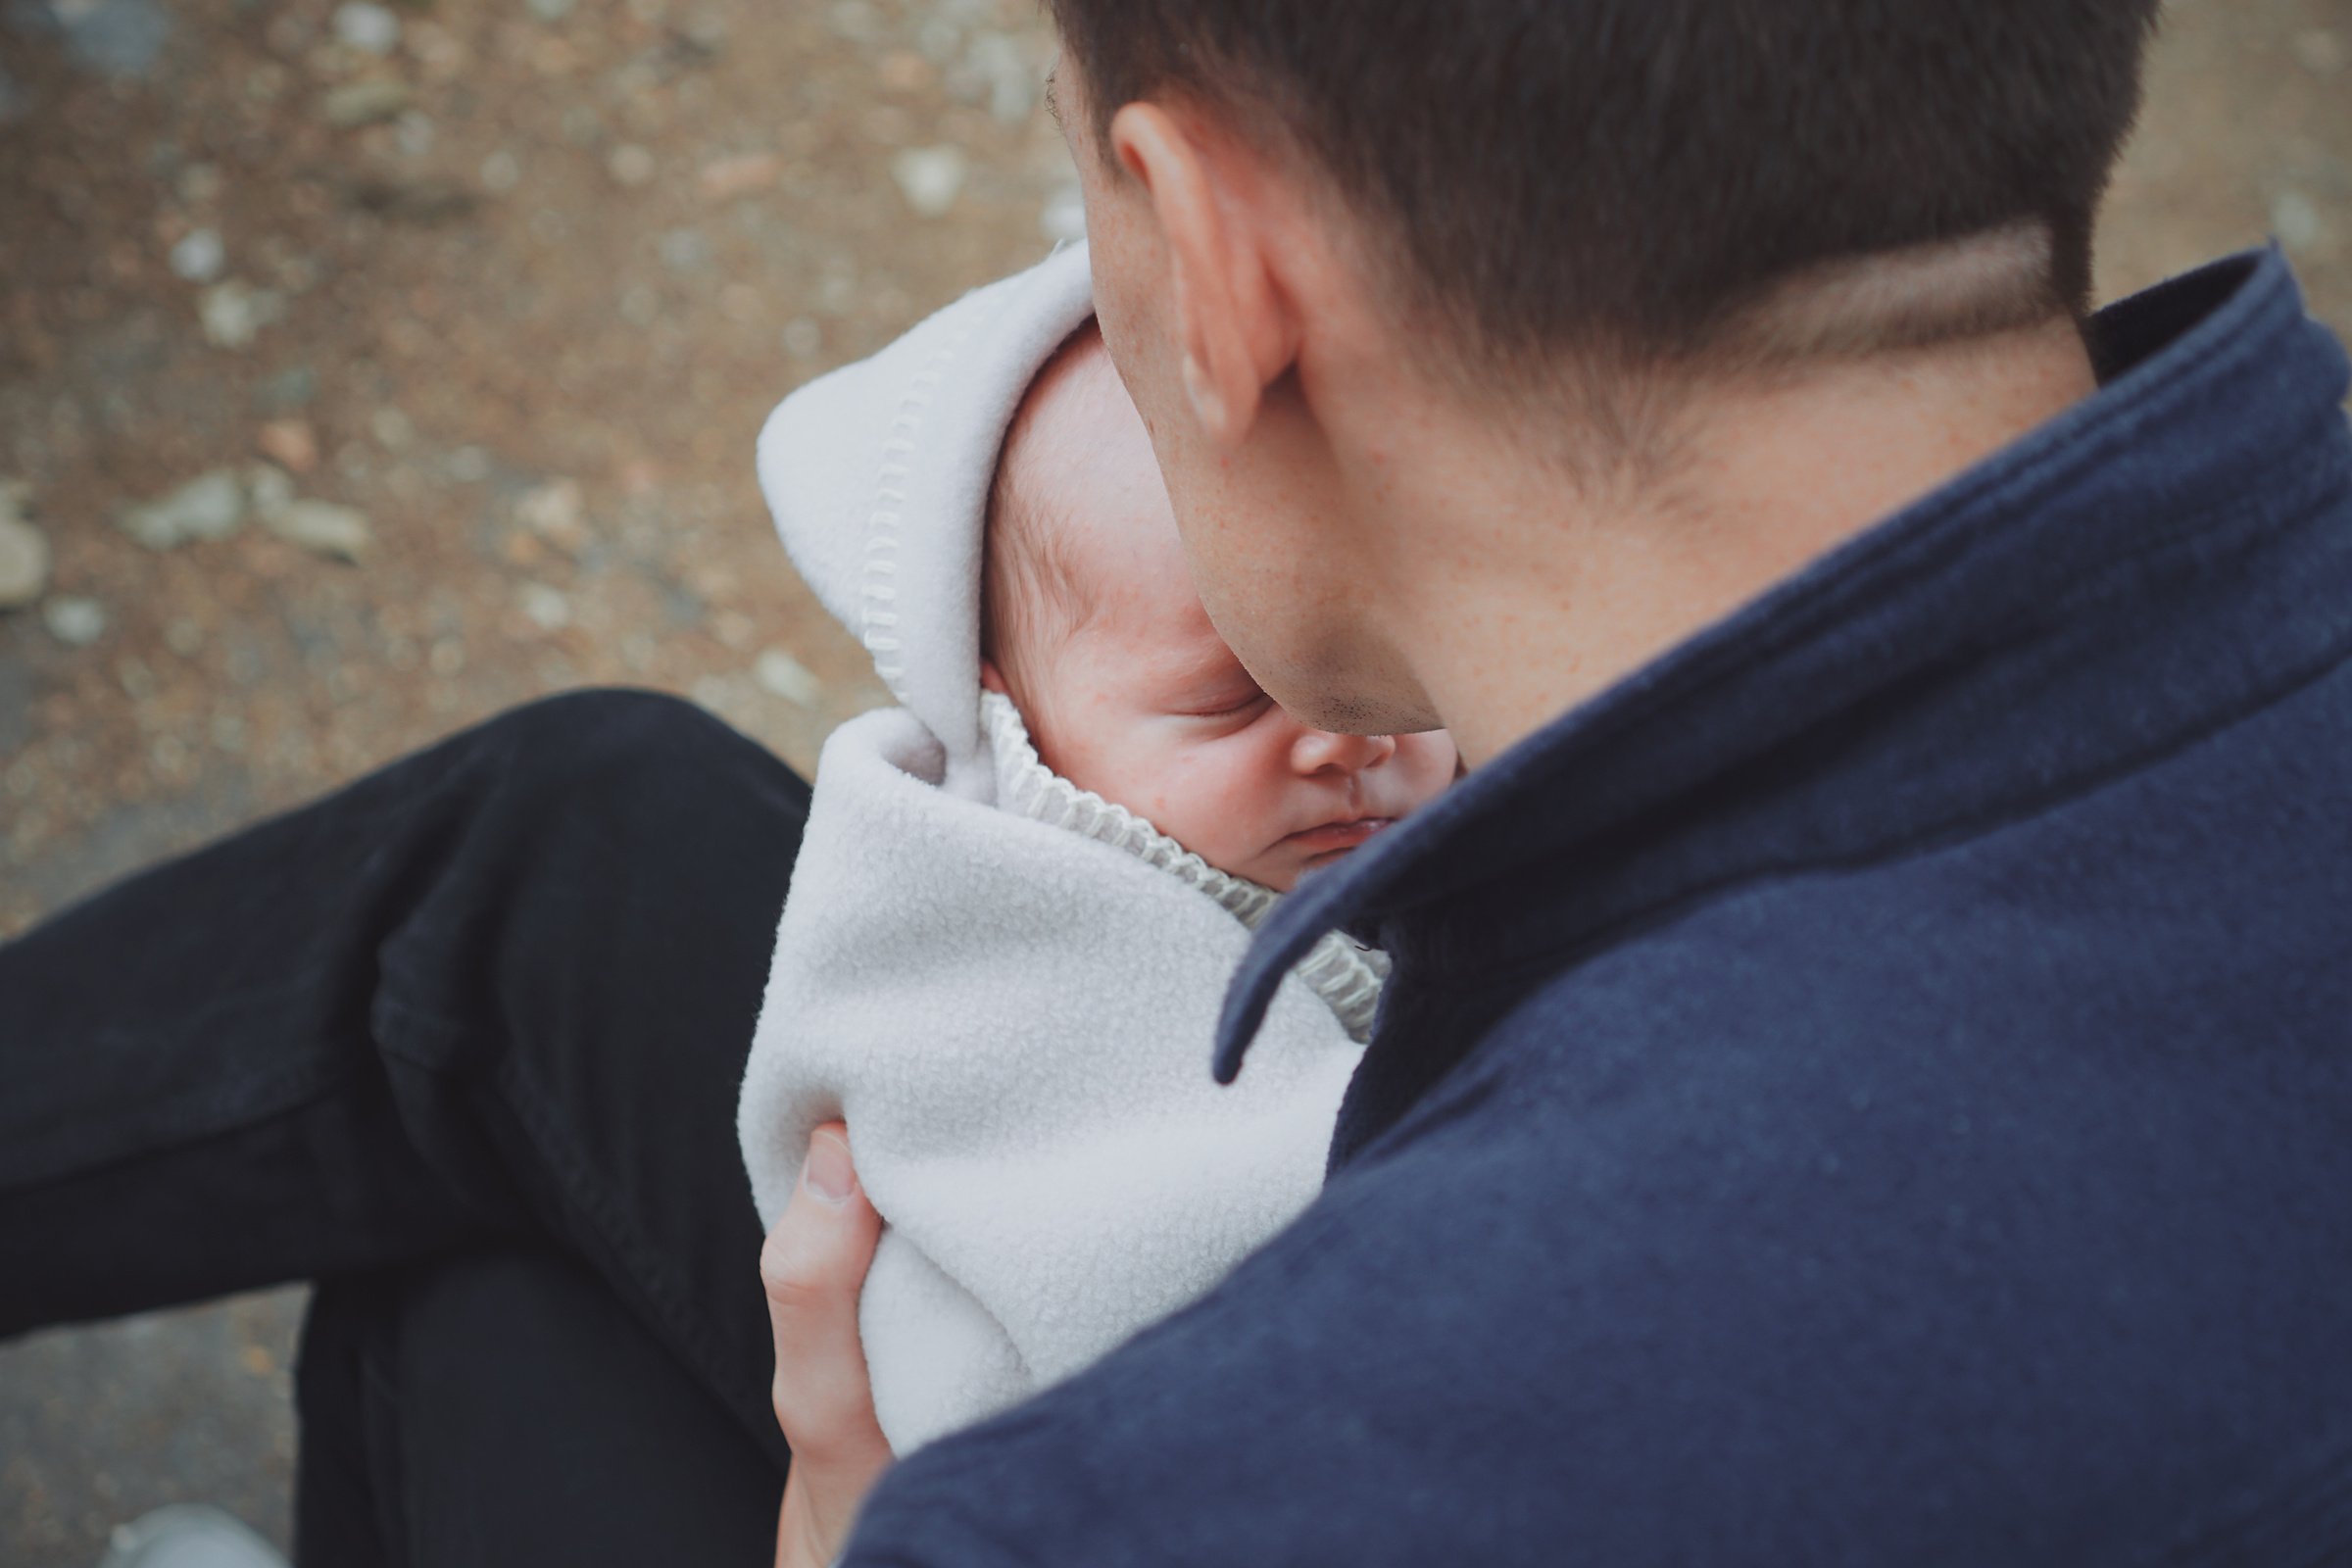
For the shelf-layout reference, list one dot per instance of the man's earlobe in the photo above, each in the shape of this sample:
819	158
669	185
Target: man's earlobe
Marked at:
1225	308
1208	403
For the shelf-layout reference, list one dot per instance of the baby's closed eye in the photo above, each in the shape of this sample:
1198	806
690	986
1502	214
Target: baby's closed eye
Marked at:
1227	702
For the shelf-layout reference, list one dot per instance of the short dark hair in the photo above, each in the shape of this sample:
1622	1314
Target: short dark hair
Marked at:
1630	177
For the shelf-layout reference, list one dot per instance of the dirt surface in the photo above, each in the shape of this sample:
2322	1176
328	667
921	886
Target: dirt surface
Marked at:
508	288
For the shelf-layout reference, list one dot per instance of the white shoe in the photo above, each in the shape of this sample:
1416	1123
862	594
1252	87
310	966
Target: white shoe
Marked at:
188	1534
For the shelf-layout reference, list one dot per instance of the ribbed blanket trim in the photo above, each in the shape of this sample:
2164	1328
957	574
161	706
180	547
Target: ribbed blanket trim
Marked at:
1346	976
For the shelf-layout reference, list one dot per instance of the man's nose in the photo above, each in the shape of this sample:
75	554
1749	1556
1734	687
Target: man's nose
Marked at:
1319	751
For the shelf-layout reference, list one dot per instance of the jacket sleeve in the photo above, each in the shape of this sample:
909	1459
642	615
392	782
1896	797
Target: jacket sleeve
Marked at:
1658	1288
1327	1404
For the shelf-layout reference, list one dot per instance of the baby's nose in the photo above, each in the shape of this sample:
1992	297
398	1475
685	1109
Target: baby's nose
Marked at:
1319	750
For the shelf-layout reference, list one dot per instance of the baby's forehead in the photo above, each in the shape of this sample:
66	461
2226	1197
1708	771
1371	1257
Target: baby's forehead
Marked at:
1077	455
1075	396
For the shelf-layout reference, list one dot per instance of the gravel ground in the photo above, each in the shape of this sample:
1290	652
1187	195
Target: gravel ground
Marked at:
499	294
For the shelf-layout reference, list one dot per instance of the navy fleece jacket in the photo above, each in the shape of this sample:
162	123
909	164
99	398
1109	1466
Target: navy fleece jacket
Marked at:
1874	1088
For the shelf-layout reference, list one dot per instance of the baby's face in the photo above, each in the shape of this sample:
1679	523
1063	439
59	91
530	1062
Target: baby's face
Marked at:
1144	705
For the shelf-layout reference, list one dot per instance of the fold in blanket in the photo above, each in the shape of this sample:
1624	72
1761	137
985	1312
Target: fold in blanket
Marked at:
1015	1022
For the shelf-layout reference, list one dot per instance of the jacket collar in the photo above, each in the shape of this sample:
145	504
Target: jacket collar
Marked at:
2125	578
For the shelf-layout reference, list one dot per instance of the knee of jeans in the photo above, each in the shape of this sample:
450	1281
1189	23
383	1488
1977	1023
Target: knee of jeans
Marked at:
638	749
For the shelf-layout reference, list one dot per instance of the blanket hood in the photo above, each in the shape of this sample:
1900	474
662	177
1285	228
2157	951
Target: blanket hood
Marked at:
878	476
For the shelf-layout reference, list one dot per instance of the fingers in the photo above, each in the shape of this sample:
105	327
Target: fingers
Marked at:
813	1268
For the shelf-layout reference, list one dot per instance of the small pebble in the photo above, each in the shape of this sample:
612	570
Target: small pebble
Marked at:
547	606
555	512
340	533
940	38
23	549
392	429
291	443
684	249
502	172
930	178
292	388
74	621
716	693
804	338
354	104
440	51
735	629
199	183
858	21
2295	219
199	256
208	506
413	133
233	314
1005	75
119	38
365	27
630	165
271	489
905	70
551	10
787	677
742	304
2320	52
726	178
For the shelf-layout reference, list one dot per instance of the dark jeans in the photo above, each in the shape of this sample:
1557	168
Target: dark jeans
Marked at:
461	1044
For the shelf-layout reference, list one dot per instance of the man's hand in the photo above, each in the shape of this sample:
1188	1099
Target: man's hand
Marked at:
813	1267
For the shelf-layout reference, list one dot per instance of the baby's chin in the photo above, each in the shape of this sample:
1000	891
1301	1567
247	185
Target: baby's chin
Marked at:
1275	870
1282	871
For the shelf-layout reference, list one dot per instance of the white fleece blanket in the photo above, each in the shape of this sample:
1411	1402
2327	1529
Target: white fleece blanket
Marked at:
1016	1022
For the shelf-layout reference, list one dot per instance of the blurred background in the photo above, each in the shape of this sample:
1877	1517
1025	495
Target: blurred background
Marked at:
367	368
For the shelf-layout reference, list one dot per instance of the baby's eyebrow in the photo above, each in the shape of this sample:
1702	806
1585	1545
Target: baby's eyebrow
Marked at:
1202	659
1206	677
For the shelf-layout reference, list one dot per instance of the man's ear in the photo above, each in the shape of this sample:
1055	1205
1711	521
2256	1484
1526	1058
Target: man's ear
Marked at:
1234	325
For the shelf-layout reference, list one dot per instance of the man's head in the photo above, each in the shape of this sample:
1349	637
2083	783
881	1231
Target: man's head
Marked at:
1569	212
1091	625
1546	176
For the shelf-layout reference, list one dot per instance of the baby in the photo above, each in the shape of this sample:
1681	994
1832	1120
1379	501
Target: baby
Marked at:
1092	632
1019	896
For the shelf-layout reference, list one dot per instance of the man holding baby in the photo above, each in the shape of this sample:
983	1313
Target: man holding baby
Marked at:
1871	1084
1867	1072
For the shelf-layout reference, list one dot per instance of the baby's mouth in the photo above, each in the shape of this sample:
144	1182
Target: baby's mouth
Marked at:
1333	839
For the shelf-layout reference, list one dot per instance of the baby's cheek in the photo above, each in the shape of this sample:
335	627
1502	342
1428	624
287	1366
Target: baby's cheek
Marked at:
1214	807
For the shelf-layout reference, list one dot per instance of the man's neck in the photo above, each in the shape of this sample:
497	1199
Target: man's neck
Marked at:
1547	595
